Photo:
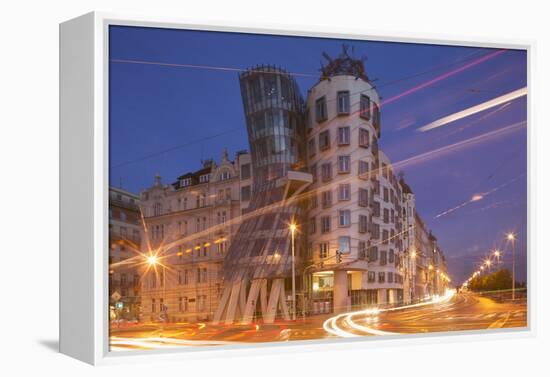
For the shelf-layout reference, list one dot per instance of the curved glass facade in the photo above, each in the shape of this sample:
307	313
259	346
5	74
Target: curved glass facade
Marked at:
274	112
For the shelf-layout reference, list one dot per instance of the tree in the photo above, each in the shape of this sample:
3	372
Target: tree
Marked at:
498	280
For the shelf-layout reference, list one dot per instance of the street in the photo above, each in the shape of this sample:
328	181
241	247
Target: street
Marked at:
454	312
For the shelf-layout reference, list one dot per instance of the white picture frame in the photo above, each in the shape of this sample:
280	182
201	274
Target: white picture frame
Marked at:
84	190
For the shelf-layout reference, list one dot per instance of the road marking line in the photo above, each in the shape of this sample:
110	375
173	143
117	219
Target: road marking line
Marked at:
499	322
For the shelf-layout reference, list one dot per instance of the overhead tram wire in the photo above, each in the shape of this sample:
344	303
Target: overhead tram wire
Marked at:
232	69
176	147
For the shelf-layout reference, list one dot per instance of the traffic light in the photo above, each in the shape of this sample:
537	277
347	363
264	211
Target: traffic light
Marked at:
338	256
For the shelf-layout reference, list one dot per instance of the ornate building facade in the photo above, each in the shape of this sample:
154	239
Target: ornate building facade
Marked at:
191	224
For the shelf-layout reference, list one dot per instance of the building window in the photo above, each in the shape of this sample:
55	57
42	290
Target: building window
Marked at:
312	223
386	194
344	244
203	178
311	147
363	197
343	102
363	170
364	107
201	303
391	258
386	216
225	175
361	250
325	224
344	191
344	218
153	305
364	138
313	171
326	172
390	277
383	257
363	224
185	182
376	117
376	209
183	303
245	193
373	254
343	164
313	202
324	140
375	231
245	171
343	136
323	250
381	277
201	275
326	198
385	236
371	276
157	209
321	110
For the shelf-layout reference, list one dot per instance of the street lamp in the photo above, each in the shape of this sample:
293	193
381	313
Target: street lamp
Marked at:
153	260
512	238
292	232
497	255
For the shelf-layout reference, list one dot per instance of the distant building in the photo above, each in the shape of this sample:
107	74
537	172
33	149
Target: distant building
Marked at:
125	243
192	222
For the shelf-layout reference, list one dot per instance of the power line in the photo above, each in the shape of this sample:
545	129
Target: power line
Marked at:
220	68
176	147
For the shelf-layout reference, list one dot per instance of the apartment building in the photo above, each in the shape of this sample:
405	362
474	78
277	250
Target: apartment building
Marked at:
125	241
189	225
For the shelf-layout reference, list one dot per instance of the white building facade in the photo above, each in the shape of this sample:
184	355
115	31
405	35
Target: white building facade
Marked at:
354	230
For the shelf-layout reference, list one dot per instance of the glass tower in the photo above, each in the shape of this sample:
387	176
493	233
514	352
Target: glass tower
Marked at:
274	111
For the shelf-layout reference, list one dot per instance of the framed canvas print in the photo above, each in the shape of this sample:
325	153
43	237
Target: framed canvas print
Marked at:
238	189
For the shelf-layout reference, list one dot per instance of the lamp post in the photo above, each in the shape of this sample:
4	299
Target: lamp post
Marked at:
511	237
292	231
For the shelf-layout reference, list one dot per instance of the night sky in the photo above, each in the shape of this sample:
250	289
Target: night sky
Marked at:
160	116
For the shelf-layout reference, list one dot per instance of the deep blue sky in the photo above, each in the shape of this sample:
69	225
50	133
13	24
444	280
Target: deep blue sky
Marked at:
154	108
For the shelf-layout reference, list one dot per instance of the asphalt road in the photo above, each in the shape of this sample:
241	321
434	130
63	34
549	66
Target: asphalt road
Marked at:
458	312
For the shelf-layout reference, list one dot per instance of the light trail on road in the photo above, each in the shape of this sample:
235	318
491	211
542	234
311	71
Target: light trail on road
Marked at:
331	325
125	343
